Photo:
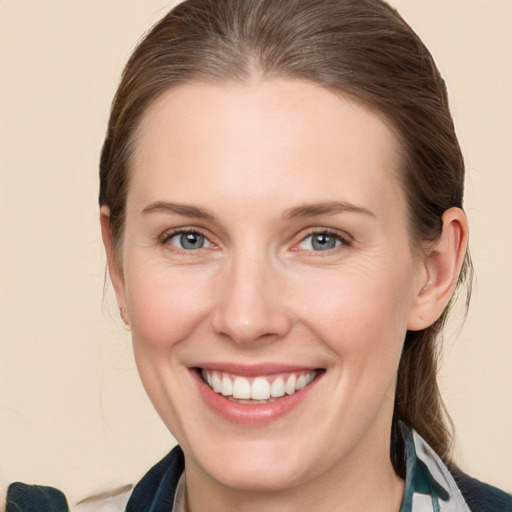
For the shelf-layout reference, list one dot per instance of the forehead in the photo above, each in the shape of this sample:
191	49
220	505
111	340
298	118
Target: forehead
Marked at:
269	139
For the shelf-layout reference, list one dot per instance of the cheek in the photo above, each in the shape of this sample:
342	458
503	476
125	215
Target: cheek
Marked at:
365	327
361	315
165	304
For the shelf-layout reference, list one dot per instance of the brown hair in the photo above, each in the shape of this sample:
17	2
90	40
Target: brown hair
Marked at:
362	48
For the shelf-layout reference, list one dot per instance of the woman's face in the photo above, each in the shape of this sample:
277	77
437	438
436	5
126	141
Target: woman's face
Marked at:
266	251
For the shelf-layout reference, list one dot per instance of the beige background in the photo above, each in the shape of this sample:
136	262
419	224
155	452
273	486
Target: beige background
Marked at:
72	412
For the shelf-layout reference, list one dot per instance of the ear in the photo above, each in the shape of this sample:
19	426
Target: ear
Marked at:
113	263
441	264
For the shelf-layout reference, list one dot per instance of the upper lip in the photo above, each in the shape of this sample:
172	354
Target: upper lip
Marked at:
253	370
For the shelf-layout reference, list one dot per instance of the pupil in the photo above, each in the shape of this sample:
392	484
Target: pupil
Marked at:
323	242
192	241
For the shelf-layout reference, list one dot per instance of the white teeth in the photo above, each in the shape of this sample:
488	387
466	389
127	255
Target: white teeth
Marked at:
227	386
301	382
216	384
260	390
241	388
290	384
277	388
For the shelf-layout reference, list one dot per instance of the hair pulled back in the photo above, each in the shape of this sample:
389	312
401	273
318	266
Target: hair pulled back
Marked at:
362	48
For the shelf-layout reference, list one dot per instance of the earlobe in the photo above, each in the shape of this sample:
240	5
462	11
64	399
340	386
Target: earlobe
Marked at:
114	267
442	263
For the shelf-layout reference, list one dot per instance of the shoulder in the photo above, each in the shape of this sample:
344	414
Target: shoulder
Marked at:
446	483
38	498
157	488
22	497
154	492
479	496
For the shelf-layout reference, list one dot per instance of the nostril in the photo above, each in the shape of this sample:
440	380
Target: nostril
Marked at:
248	306
263	325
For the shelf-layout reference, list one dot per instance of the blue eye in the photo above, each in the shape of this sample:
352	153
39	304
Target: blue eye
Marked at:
190	240
321	241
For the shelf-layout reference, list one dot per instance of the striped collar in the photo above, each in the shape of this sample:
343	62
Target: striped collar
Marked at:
429	486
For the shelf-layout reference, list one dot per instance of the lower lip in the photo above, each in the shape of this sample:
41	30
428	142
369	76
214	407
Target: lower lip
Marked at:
247	414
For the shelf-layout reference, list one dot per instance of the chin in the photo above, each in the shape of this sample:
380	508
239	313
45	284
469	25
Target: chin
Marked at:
256	470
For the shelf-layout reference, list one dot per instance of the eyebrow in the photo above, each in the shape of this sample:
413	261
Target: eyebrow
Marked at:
178	209
305	210
329	208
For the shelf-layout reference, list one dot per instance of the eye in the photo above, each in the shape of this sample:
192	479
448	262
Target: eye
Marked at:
188	240
321	241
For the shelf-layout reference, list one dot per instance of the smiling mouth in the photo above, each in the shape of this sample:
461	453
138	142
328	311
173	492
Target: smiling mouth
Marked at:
257	390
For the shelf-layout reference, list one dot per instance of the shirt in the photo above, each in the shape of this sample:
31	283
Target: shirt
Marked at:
430	486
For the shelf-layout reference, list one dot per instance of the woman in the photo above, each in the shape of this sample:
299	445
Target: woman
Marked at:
281	205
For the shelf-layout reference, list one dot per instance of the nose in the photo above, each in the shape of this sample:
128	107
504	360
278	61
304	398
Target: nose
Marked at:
250	302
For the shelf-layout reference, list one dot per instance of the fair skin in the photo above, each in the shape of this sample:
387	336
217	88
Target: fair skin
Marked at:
296	259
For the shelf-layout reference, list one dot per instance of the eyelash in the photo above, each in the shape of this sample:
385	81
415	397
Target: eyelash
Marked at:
345	241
